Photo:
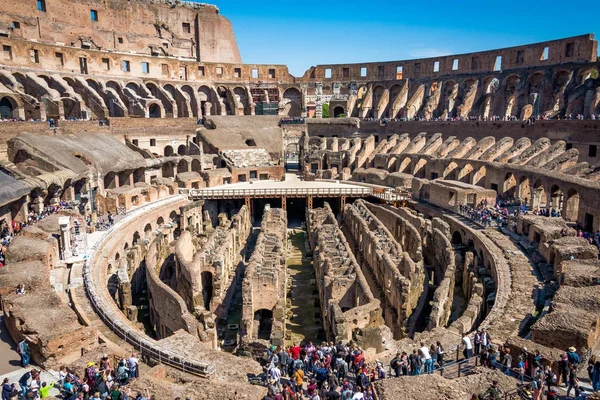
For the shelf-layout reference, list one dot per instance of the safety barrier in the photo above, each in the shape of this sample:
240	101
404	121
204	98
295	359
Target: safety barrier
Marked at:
147	347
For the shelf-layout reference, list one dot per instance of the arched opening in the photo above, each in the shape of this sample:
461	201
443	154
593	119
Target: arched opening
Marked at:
450	171
174	217
154	111
8	108
160	221
241	96
207	288
539	196
479	176
456	238
419	171
338	112
134	87
110	180
168	151
571	208
405	165
204	97
125	246
222	93
136	238
168	170
192	99
292	99
196	165
182	166
148	230
263	320
556	198
509	186
465	174
524	190
292	156
182	150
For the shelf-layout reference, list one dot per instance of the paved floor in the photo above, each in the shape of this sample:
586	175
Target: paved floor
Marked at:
9	358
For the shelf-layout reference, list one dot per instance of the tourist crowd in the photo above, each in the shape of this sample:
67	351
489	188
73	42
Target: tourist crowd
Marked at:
495	118
331	371
100	381
486	215
291	121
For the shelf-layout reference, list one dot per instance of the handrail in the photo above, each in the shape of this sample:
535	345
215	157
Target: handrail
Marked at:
229	193
143	344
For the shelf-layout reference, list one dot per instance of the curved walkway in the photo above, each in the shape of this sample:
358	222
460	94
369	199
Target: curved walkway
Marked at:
120	326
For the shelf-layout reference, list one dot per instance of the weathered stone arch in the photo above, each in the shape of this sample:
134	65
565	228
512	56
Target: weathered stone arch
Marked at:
450	172
509	185
155	110
465	173
192	98
11	107
291	102
570	210
182	166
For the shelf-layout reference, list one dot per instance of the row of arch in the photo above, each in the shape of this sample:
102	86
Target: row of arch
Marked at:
548	93
44	96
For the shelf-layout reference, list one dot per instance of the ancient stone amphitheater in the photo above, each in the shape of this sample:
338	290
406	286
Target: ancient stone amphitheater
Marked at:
161	197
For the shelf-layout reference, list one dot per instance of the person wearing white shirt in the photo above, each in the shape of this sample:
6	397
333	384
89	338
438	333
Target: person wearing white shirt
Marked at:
427	360
468	351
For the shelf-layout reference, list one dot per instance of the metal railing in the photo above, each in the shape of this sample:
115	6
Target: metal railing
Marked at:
114	320
288	192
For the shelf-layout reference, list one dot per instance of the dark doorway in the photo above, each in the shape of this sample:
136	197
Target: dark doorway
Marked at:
296	212
154	111
338	112
207	288
264	319
6	108
456	238
589	223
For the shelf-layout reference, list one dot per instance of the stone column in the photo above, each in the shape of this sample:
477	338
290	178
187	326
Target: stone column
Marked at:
64	224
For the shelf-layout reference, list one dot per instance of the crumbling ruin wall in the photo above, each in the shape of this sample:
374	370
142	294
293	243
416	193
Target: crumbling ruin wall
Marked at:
347	302
390	267
168	311
573	320
403	230
264	284
40	316
445	257
217	254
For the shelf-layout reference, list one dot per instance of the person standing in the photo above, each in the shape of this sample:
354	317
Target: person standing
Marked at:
468	350
133	364
24	352
573	381
440	354
427	361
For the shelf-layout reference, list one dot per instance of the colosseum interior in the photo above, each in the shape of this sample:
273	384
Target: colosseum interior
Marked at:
164	198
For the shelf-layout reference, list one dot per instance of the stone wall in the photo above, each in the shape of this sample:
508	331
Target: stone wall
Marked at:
387	263
347	302
264	285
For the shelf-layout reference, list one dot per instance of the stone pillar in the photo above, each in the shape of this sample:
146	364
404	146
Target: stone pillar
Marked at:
207	107
64	224
283	203
310	202
38	205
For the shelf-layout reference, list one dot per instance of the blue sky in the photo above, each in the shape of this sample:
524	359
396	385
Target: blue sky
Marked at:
301	34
